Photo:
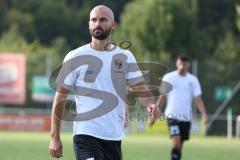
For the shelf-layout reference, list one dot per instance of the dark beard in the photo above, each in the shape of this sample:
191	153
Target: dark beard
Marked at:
100	34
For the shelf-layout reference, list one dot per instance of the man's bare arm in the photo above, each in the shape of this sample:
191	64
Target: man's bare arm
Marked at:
160	102
201	107
55	145
144	95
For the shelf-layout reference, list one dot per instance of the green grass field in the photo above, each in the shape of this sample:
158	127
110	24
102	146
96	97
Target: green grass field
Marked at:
34	146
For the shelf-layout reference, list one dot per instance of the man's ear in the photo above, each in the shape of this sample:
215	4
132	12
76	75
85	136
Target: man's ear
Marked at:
114	24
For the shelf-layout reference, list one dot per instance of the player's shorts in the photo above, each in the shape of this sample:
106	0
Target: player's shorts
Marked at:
92	148
179	128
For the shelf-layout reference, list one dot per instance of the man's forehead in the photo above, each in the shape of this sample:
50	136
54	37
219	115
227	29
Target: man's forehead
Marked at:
101	12
180	61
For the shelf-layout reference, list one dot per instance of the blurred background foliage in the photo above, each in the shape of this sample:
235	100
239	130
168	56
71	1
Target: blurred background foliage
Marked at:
207	30
159	29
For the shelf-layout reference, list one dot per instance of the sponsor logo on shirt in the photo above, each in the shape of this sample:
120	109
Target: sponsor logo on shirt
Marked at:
90	72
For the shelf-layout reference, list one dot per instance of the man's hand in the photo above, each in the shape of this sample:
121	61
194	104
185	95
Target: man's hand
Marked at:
154	109
146	98
55	147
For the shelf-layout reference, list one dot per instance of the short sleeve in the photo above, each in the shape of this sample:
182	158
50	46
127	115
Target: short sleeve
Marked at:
134	74
166	78
165	85
197	91
66	76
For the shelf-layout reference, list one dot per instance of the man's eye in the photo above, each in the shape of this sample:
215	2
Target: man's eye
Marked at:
102	19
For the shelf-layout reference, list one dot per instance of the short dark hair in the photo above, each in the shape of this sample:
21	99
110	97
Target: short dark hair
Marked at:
184	58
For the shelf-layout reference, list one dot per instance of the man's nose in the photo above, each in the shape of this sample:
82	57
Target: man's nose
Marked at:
97	24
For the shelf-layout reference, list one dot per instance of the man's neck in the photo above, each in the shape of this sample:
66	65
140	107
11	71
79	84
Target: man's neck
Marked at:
182	73
100	45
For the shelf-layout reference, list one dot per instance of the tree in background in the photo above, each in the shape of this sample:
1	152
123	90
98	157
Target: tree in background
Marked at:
159	29
163	29
238	16
47	20
215	18
3	10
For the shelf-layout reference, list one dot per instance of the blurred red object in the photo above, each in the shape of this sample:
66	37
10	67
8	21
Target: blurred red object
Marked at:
25	122
12	79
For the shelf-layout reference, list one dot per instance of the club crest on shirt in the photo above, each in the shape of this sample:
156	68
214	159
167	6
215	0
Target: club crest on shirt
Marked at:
190	84
118	65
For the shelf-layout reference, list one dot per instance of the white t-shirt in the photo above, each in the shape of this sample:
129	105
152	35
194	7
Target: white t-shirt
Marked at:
179	99
106	74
